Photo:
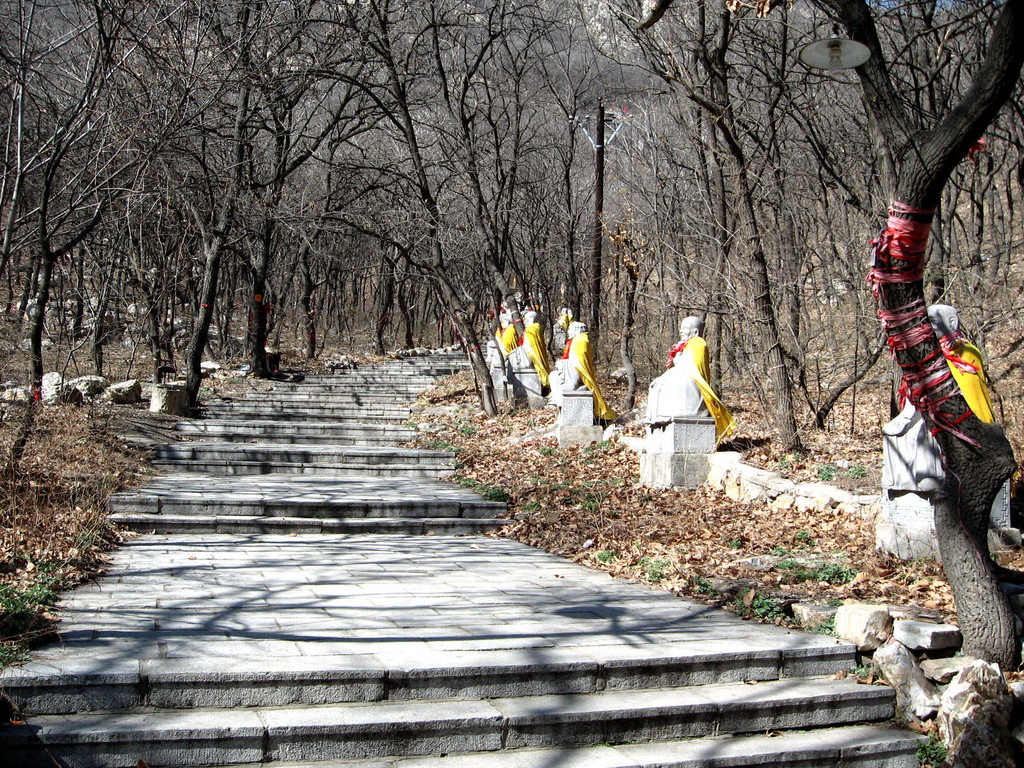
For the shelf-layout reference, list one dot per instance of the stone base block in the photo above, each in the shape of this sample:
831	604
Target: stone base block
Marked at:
682	434
907	525
669	470
577	409
526	388
576	435
498	382
167	399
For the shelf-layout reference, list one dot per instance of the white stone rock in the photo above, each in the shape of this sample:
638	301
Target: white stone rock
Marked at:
16	395
89	386
916	697
208	367
941	671
811	616
974	720
867	626
124	392
926	636
53	388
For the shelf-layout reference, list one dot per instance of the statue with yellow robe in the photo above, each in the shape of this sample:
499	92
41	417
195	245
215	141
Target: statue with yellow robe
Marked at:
507	337
577	370
685	390
535	349
912	468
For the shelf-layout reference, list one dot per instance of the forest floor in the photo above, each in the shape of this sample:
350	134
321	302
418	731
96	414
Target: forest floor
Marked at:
587	504
582	503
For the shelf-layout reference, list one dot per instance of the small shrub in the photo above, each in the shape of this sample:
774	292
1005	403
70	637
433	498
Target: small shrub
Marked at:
827	627
804	537
780	551
856	471
931	753
654	570
531	506
702	584
795	572
826	472
762	607
607	555
546	450
736	543
467	430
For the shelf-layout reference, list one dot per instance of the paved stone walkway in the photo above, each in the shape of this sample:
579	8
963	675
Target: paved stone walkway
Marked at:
300	650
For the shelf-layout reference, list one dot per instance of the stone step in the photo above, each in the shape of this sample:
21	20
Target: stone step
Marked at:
275	431
300	453
224	681
244	409
238	414
123	504
196	524
855	746
197	737
328	400
383	392
269	467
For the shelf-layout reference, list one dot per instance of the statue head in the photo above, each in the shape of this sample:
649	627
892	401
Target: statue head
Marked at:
690	326
944	320
575	329
530	317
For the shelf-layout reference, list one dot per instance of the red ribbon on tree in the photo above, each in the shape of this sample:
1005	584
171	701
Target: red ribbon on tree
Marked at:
899	256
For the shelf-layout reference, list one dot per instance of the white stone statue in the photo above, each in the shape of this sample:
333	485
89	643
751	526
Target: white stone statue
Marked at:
675	393
565	377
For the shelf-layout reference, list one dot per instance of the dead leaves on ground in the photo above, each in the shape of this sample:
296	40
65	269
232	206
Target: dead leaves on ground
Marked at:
587	504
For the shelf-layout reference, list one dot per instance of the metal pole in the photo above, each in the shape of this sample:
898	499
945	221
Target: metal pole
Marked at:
595	255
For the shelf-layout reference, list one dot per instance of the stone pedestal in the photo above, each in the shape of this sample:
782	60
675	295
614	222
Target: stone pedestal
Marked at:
576	419
498	382
526	387
167	398
677	452
907	525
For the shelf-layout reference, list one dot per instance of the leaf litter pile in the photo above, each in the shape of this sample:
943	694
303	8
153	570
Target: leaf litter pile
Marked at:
587	504
60	466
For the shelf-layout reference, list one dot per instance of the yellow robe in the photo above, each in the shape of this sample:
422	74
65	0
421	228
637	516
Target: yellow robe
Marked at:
508	340
533	342
697	349
582	359
973	386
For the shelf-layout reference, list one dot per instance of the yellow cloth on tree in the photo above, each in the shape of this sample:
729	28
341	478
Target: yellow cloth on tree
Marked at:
508	340
697	349
533	343
582	359
974	386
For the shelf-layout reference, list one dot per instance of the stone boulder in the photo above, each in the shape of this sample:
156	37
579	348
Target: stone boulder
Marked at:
974	720
56	391
89	386
916	698
124	393
167	399
866	626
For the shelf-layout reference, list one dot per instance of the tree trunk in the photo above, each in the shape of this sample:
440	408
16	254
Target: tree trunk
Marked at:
977	456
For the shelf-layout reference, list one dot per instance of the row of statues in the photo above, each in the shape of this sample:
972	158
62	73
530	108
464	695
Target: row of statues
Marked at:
683	391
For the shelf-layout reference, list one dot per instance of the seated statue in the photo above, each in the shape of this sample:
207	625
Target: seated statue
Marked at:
507	337
684	390
912	459
575	371
534	348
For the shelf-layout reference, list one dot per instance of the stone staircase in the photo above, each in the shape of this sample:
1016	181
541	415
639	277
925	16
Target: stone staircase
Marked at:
323	455
253	635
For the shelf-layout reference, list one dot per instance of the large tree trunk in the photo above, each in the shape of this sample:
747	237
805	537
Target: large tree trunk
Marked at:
977	456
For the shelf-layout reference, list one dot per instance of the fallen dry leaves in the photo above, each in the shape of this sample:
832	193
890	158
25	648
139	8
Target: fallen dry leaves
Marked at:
587	504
